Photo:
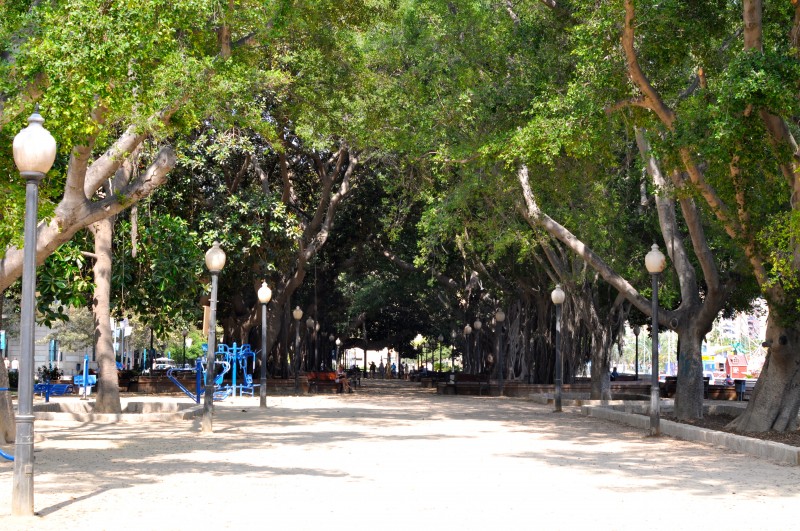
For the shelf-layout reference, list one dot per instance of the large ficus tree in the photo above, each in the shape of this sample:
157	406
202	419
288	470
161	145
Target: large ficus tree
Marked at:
727	137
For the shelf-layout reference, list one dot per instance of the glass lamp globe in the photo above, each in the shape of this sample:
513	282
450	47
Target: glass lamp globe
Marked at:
558	295
264	293
215	258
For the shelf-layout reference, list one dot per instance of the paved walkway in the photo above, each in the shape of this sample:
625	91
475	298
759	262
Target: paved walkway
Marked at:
393	456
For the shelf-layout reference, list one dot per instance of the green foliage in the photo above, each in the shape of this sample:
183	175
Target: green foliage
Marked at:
779	238
63	281
47	373
160	282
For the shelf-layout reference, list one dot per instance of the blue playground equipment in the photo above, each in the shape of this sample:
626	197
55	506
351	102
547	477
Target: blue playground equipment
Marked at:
220	393
239	358
234	359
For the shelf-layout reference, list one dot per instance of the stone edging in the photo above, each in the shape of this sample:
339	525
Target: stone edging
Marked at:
128	418
773	451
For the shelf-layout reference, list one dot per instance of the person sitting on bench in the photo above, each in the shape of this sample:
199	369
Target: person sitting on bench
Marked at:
343	381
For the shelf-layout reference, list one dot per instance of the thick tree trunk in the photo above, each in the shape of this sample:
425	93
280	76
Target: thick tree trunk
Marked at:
601	366
8	426
776	398
107	382
689	392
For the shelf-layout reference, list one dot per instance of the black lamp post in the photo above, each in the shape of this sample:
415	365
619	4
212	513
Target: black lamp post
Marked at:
264	296
655	262
499	317
331	338
309	340
452	355
215	261
477	325
558	296
338	344
34	153
184	333
441	340
636	331
297	313
467	332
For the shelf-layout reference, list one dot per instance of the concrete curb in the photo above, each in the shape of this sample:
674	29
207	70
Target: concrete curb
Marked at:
126	418
777	452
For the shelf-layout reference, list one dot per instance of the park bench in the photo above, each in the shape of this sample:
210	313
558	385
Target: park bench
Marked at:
470	384
670	385
744	388
47	390
321	382
354	375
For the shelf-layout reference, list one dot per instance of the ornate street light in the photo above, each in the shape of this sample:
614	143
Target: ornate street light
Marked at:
215	261
34	153
297	313
338	344
499	317
655	262
264	296
558	296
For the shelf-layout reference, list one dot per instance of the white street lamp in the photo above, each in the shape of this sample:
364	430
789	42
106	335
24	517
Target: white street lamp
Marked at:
264	296
558	296
655	262
34	153
215	261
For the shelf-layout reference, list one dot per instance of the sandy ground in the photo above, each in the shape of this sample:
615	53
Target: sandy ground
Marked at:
393	456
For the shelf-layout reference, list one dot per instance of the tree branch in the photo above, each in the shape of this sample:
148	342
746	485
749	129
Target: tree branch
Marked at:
61	228
538	219
637	75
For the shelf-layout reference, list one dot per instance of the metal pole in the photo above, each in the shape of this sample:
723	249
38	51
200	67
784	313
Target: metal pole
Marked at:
22	493
263	380
500	355
467	358
655	398
296	353
85	375
558	360
637	358
208	400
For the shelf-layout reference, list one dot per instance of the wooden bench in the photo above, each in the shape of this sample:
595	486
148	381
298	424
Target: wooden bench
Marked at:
322	382
669	386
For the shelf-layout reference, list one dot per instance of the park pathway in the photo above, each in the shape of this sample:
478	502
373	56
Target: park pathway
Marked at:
393	456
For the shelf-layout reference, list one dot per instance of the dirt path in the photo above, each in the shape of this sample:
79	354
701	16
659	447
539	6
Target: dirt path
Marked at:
395	457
